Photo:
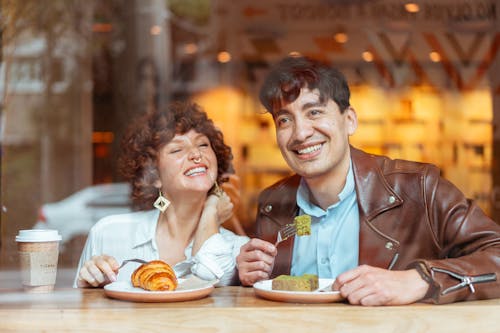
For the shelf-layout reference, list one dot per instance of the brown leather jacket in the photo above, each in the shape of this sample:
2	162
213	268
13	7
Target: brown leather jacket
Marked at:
410	217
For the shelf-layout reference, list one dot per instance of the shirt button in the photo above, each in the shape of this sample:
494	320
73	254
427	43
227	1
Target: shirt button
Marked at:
324	261
389	245
268	208
392	199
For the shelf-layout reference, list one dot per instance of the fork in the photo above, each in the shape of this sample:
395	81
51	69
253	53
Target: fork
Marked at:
285	232
124	262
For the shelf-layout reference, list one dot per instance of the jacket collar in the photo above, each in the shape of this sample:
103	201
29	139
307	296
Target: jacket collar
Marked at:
374	193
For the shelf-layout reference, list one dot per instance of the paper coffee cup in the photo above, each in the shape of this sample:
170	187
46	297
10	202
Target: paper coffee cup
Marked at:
38	254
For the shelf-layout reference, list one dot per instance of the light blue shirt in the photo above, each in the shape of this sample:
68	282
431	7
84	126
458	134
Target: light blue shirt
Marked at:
333	246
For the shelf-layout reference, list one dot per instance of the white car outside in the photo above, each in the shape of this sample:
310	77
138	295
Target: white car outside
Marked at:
76	214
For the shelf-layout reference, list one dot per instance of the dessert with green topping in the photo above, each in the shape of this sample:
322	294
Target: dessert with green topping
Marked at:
303	225
306	282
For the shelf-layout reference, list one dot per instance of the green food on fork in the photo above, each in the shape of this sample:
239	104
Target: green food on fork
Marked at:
303	225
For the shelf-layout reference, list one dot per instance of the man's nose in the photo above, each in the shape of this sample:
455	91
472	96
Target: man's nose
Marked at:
303	129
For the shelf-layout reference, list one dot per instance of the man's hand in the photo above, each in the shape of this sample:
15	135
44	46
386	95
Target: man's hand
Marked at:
255	261
367	285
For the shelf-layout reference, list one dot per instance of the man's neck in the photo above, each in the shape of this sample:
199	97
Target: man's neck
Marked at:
325	189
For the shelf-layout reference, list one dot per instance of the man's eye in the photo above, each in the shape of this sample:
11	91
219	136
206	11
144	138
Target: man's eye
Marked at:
315	112
176	150
282	121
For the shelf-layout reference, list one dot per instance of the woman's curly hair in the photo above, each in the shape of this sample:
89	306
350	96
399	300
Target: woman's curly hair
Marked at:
148	134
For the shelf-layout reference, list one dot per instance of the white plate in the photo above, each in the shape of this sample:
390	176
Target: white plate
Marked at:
264	289
187	290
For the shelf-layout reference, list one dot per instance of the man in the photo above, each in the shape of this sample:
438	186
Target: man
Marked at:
390	231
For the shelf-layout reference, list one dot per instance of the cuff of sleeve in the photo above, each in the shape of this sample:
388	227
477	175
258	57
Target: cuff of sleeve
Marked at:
206	268
425	274
205	261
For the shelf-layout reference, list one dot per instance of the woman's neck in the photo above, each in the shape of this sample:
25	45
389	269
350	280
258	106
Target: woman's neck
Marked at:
181	217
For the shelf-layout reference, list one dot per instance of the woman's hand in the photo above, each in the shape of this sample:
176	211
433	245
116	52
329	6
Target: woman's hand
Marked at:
210	220
224	208
98	271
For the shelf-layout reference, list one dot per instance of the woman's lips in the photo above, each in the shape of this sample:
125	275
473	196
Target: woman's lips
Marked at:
196	171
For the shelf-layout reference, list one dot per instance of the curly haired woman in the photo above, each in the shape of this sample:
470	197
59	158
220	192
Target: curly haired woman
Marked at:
174	159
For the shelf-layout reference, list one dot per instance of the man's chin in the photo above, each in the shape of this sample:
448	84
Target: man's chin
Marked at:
307	171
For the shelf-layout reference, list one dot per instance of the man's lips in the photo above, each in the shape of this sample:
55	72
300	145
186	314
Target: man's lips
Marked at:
308	150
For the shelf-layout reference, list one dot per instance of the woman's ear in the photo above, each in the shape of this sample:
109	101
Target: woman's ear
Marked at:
157	184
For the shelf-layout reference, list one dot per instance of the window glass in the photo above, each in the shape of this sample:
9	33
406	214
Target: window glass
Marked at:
73	73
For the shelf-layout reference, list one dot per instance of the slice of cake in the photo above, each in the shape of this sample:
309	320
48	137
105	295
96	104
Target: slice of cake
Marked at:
306	282
303	225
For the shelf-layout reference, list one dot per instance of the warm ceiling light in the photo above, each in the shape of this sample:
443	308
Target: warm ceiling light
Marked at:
367	56
435	56
102	27
341	37
294	54
190	48
224	57
155	30
412	7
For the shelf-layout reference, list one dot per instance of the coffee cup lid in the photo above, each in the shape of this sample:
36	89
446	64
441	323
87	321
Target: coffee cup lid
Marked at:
38	235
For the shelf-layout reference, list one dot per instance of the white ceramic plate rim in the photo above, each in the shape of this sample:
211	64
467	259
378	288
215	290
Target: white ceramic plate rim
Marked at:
126	287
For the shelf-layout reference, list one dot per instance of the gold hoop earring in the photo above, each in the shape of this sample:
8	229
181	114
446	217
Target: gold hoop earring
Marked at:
161	202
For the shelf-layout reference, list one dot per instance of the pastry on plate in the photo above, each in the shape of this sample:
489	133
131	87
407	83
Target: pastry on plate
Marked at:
155	275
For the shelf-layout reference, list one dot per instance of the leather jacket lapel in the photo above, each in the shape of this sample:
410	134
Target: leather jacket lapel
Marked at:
375	198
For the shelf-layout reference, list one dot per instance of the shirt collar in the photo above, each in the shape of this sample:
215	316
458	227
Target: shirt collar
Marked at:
303	195
146	228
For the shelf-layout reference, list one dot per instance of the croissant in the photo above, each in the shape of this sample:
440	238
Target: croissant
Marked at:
155	275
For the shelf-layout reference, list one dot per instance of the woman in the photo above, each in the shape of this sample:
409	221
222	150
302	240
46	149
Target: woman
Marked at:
173	159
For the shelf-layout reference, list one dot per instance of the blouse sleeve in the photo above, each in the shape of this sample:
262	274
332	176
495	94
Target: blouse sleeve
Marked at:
216	259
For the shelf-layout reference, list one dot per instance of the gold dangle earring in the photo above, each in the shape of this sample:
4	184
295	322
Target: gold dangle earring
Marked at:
161	202
218	191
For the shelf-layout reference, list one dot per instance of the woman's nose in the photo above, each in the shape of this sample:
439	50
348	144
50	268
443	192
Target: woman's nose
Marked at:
195	155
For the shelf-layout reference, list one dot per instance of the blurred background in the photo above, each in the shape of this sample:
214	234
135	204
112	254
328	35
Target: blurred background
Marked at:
424	76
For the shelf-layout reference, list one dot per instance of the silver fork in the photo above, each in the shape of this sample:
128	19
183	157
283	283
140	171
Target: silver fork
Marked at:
124	262
285	232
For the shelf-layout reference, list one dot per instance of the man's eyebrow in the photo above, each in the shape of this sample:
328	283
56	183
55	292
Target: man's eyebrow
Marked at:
280	112
306	106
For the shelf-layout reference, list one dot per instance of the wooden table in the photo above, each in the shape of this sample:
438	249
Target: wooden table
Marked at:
231	309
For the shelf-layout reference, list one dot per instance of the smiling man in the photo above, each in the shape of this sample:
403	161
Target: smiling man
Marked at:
389	231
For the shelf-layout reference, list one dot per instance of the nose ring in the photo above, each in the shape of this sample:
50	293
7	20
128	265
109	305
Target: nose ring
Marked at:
197	159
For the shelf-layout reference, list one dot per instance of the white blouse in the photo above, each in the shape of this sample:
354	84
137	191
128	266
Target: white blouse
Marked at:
132	235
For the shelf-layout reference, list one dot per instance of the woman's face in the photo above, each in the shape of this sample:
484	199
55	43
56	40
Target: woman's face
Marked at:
187	164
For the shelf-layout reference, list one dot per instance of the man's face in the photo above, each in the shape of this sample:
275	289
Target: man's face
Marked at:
313	136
